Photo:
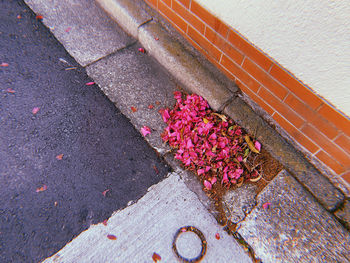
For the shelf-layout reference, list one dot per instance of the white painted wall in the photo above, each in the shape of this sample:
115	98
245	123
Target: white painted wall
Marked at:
310	38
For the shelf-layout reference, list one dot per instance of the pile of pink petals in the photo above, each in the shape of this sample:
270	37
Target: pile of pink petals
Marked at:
207	143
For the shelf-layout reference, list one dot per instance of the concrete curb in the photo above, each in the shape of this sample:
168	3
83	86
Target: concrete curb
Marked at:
189	71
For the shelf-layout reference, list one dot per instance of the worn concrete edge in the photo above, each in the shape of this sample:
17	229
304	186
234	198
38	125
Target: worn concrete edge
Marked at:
184	66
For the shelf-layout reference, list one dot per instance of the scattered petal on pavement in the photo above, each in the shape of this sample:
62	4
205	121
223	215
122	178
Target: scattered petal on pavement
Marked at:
156	169
68	29
4	64
90	83
217	236
145	131
105	192
41	189
133	109
150	106
39	17
59	157
142	50
112	237
266	205
35	110
9	90
105	222
156	257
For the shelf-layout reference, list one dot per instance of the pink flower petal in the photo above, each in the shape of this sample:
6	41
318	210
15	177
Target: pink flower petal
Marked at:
257	145
41	189
68	29
35	110
200	171
105	192
266	205
142	50
165	115
90	83
145	131
9	90
111	237
4	64
207	184
213	180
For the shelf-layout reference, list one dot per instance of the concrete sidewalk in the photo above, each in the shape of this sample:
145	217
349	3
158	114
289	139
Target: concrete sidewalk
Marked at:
296	227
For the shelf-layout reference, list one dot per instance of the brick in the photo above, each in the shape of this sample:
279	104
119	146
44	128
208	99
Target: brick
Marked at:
344	142
327	145
295	133
335	117
264	78
167	2
223	69
185	3
210	58
238	72
295	86
189	17
249	50
172	16
330	162
209	19
222	44
311	116
254	97
281	107
204	43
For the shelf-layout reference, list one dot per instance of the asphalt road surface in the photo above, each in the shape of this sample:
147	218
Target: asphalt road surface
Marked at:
68	157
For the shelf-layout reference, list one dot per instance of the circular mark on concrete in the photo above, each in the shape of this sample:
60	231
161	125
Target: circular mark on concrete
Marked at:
179	244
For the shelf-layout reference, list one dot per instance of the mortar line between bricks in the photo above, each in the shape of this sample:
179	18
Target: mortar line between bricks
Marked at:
111	54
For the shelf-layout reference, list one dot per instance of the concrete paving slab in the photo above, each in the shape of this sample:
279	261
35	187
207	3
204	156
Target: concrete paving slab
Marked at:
193	183
133	79
294	228
149	226
239	202
320	187
83	28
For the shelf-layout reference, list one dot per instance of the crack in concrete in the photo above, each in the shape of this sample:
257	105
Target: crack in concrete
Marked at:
144	23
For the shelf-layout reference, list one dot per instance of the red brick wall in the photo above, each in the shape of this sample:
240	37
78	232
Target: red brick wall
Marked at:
309	119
